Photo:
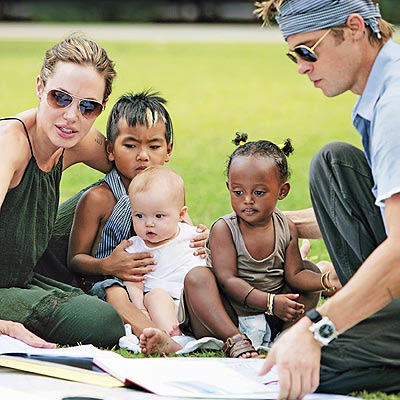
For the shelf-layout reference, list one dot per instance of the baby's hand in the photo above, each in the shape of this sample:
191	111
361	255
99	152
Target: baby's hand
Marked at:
286	308
200	241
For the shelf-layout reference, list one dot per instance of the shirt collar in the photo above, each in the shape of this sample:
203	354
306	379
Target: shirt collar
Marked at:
373	90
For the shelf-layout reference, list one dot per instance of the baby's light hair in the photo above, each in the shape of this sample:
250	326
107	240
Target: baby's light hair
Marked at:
167	182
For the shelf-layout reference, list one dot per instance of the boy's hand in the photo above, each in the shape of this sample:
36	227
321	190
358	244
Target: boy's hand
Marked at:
286	308
200	241
129	266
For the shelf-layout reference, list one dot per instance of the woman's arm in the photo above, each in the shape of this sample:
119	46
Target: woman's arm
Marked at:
92	211
14	155
18	331
199	242
92	151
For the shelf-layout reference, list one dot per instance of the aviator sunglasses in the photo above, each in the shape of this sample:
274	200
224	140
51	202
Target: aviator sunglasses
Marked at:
90	109
304	52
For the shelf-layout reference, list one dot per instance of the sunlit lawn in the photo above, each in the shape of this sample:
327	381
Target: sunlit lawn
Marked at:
213	91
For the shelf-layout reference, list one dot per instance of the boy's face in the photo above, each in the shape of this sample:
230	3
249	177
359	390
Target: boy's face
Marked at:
255	187
138	147
155	214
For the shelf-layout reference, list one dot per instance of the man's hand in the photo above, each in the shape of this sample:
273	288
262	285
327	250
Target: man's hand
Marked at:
286	308
18	331
298	356
199	242
129	266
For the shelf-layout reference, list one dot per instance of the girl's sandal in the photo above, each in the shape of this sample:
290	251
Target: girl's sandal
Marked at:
237	345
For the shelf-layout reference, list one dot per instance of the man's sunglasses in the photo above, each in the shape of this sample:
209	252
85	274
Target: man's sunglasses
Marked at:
90	109
304	52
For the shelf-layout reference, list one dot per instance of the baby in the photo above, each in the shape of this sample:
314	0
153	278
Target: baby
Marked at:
157	197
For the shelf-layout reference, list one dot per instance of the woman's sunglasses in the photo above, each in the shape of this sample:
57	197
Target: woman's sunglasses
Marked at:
90	109
304	52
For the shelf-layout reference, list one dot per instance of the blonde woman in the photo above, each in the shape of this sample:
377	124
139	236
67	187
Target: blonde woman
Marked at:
36	145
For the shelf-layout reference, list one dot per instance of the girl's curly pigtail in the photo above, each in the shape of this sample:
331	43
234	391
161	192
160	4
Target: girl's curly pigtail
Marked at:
286	147
239	138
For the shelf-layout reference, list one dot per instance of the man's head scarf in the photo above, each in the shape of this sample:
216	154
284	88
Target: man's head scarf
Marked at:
297	16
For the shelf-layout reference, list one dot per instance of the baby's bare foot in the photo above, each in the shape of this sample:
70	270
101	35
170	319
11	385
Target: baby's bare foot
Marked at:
156	341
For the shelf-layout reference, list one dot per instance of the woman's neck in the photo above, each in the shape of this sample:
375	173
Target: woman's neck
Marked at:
45	154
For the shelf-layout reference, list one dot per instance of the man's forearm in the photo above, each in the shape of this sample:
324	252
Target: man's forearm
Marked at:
306	223
375	285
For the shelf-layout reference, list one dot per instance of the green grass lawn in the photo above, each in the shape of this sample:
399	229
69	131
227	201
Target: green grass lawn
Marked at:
213	90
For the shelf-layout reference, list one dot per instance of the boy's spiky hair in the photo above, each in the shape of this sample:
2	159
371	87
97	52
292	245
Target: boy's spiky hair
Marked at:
144	108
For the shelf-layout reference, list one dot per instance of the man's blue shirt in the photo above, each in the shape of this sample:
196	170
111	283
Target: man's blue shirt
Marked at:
376	116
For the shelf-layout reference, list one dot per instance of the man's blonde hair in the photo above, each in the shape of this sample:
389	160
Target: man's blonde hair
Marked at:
80	50
167	182
266	10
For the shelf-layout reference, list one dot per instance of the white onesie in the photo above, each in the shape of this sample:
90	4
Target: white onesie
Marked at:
174	260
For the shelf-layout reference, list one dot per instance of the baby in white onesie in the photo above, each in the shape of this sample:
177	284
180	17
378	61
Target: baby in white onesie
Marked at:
157	197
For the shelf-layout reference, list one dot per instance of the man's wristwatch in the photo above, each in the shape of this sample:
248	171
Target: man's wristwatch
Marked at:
323	329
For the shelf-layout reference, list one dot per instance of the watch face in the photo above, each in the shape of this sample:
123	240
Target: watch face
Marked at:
326	331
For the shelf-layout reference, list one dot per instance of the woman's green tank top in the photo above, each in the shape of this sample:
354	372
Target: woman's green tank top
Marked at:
27	217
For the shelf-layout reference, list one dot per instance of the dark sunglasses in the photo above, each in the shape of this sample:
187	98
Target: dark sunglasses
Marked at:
304	52
90	109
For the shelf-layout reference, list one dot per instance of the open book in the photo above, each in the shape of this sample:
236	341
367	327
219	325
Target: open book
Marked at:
172	376
73	363
183	377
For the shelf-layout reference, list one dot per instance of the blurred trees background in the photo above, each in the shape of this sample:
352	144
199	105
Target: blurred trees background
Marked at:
141	11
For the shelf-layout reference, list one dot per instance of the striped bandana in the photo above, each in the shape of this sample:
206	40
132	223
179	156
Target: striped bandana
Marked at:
297	16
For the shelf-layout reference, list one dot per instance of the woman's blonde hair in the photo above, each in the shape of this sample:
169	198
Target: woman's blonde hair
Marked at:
80	50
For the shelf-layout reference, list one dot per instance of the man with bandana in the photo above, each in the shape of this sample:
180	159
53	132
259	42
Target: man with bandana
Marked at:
352	342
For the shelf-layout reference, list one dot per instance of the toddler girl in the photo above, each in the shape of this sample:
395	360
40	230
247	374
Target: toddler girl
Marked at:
254	250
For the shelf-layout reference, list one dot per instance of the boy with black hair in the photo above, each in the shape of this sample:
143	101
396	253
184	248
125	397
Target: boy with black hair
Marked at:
140	134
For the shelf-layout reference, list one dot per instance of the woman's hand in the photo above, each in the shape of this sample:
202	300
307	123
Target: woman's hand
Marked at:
199	242
18	331
129	266
286	308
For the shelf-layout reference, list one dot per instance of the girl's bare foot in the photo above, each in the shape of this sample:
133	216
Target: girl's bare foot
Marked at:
156	341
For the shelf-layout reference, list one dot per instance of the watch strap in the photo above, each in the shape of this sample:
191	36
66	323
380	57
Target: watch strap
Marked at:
314	315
